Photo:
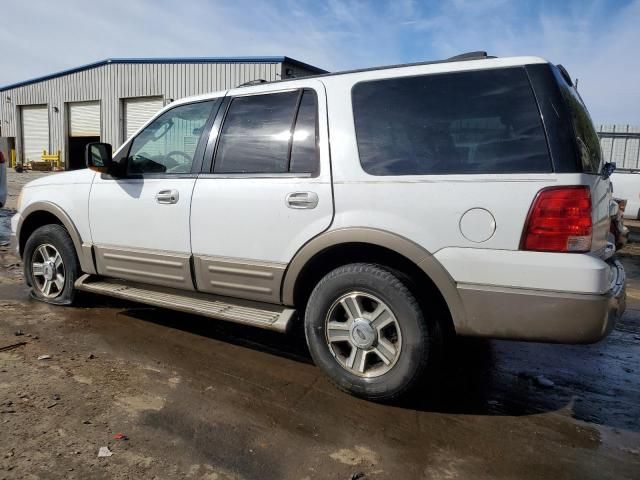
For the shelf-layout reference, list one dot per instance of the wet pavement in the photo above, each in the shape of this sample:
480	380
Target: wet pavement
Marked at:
204	399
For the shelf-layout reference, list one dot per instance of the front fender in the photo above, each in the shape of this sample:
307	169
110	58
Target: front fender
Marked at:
83	250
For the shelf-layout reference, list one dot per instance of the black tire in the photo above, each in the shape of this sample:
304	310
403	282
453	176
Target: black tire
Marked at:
419	335
59	238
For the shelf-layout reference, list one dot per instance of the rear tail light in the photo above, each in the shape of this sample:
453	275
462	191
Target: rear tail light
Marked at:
1	158
559	221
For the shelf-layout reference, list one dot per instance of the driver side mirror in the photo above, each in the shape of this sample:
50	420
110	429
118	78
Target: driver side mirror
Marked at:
99	157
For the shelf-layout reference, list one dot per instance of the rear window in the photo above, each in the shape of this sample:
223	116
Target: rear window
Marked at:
466	122
586	137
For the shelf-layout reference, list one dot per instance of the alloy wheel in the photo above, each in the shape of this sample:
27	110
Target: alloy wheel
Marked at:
48	270
363	334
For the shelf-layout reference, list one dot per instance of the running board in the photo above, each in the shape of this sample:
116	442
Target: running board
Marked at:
257	314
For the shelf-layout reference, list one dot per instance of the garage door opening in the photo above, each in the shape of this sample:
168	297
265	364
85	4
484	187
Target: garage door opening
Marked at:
35	132
83	128
137	111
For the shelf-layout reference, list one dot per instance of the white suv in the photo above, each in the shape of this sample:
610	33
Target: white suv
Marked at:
383	208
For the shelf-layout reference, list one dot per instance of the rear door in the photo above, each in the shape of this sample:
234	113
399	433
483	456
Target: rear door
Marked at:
266	190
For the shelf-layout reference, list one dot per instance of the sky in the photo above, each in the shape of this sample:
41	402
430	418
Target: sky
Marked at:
596	40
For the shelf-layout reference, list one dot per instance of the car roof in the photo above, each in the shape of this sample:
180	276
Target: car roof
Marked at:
469	61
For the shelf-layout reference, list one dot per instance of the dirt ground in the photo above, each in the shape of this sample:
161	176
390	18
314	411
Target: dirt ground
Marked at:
202	399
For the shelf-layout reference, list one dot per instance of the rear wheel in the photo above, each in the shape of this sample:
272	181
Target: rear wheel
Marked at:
51	266
367	332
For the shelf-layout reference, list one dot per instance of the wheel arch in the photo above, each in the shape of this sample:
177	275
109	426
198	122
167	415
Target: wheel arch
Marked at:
348	245
38	214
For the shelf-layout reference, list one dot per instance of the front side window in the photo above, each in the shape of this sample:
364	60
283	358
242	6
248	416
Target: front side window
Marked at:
455	123
269	133
168	144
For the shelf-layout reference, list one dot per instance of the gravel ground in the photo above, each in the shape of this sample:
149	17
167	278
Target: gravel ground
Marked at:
197	399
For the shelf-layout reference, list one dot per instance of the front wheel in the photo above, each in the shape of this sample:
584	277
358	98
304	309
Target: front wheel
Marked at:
51	266
367	332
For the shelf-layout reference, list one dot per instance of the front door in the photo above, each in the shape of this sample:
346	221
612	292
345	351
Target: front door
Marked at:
140	221
267	191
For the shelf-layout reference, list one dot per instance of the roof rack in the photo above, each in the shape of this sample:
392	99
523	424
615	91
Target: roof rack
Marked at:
257	81
478	55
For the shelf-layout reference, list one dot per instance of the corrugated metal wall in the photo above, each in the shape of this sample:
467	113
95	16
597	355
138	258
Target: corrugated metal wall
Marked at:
290	71
621	144
110	83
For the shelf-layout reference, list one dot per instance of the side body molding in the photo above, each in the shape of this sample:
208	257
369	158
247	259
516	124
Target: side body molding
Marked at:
405	247
83	250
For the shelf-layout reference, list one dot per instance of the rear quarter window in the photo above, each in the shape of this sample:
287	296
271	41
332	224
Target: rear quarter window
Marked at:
454	123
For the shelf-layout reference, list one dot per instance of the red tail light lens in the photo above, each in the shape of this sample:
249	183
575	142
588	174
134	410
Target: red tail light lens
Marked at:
559	221
1	158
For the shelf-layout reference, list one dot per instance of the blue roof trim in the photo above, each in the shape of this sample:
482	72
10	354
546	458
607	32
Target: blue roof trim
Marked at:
89	66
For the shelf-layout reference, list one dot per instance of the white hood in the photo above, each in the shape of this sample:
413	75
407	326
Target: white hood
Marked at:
83	176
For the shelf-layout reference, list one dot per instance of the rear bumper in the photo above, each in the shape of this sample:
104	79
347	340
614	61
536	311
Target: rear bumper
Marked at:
537	315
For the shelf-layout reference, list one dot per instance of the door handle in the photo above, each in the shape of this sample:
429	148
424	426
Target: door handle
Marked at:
167	197
301	200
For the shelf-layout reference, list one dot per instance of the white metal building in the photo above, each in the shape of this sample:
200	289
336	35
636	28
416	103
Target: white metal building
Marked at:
620	143
108	100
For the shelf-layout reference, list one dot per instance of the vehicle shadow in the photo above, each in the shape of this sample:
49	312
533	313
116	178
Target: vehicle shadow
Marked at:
475	377
292	345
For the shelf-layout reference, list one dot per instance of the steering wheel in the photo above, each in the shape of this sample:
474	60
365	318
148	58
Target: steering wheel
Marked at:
186	157
177	165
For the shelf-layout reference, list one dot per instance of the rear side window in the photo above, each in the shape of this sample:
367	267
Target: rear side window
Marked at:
270	133
586	137
466	122
304	149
